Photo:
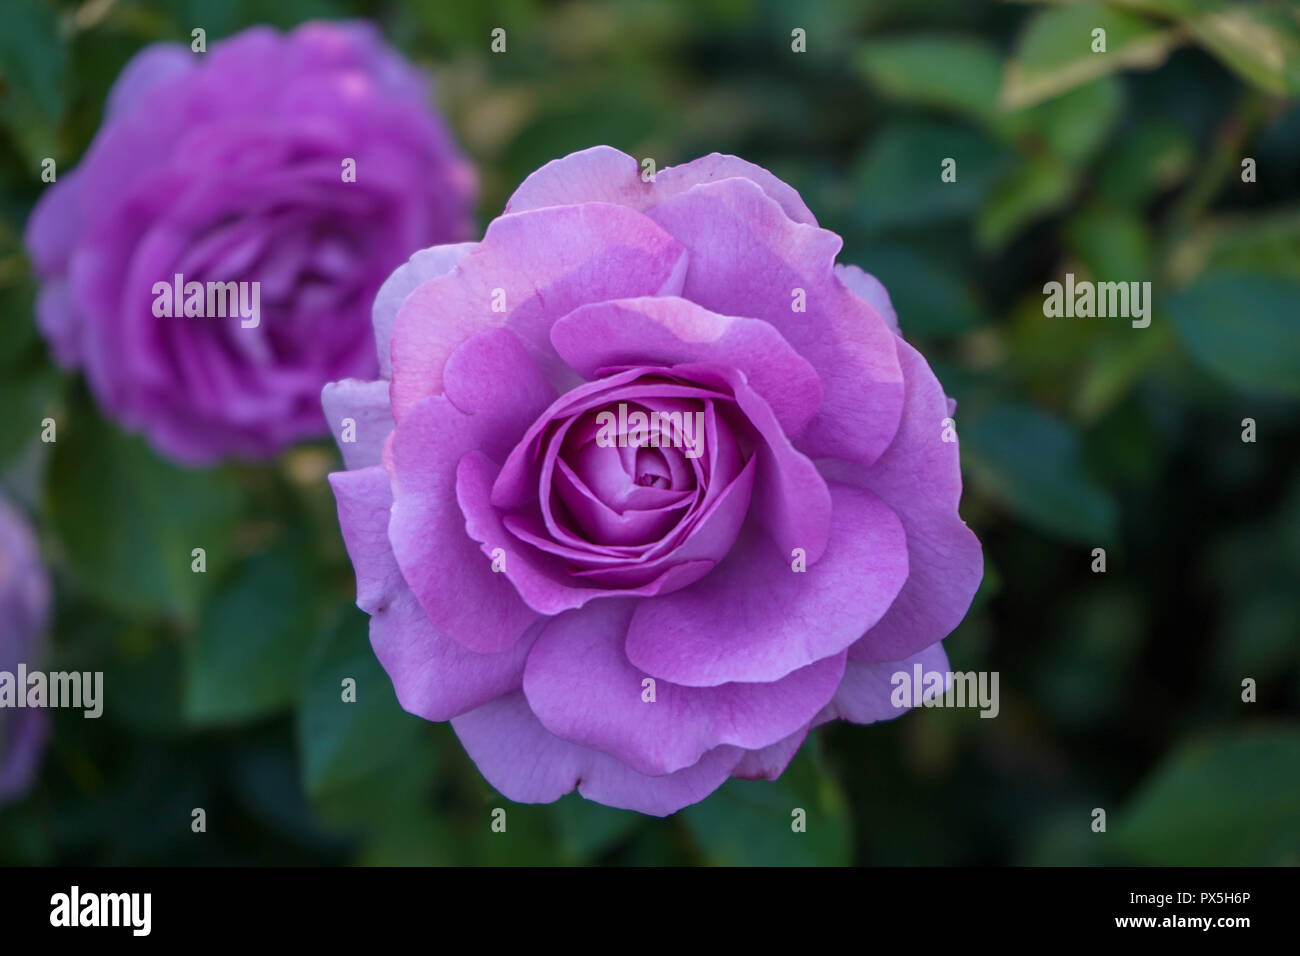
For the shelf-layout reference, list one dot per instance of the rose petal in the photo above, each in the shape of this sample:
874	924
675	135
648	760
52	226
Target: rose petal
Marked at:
422	266
582	687
605	174
366	404
755	619
538	579
870	289
457	588
768	763
865	696
540	266
747	257
529	764
155	66
671	331
433	676
920	477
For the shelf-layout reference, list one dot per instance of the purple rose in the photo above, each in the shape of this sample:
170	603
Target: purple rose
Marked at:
665	488
281	177
24	603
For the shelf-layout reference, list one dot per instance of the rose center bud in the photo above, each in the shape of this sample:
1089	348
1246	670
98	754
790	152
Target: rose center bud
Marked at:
652	470
639	478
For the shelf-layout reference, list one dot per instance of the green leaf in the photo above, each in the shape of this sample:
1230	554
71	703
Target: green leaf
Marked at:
1259	633
1055	53
1030	461
1114	244
751	822
898	177
1087	667
414	837
1075	125
263	777
528	838
1267	244
129	521
29	387
1114	371
246	657
956	73
33	66
1243	327
223	17
147	677
1261	43
1226	800
930	300
1034	189
359	757
28	394
586	829
1156	157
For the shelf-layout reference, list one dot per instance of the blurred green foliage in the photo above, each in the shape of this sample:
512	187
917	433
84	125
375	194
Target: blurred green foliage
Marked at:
1119	690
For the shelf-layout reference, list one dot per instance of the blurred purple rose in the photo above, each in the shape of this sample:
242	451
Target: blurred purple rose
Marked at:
643	622
233	166
24	603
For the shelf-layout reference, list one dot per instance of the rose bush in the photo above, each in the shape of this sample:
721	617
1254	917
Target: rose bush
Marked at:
644	618
227	167
24	605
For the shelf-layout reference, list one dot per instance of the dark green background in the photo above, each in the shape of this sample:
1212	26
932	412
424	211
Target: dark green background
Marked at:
1119	690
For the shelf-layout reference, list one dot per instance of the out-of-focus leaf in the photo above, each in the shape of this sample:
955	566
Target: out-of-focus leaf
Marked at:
1259	638
359	757
957	73
413	837
1055	52
930	300
586	828
624	114
1076	124
147	814
898	177
527	840
33	64
29	396
222	17
1265	244
1228	800
962	75
247	656
29	387
129	521
1260	44
1088	664
1064	838
1259	41
146	679
1148	160
1243	327
1030	461
265	780
749	822
1034	189
1114	244
1116	368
